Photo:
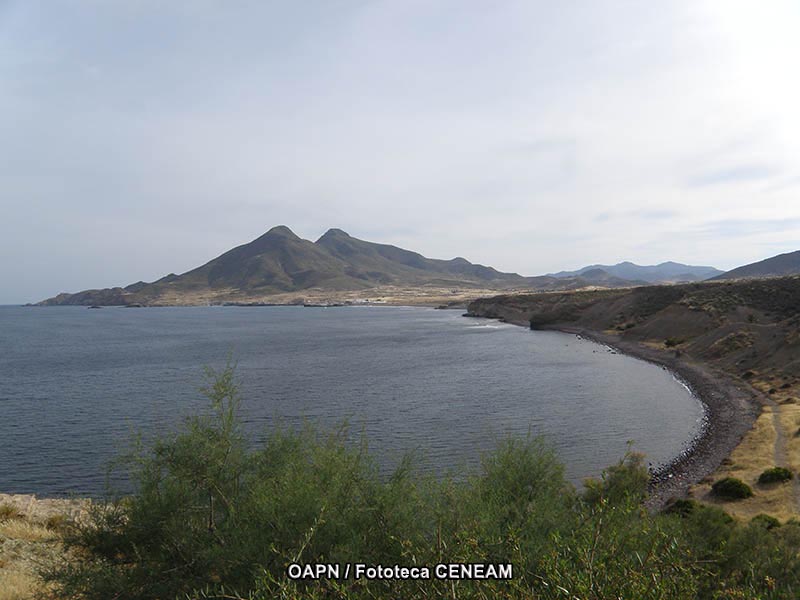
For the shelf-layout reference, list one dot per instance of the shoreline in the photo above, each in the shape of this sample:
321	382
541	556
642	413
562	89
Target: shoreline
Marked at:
731	407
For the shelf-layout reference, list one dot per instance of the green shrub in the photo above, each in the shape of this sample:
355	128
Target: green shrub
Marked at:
766	521
681	506
672	342
623	482
775	475
731	488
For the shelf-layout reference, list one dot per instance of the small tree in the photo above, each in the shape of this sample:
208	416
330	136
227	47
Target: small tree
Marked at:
173	534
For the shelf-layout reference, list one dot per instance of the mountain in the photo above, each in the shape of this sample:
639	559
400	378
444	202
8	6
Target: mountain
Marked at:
783	264
666	272
382	263
279	263
602	278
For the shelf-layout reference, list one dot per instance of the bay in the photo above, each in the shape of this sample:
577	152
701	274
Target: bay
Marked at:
76	383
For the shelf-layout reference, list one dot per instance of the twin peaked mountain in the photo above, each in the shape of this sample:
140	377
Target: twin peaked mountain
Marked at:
280	262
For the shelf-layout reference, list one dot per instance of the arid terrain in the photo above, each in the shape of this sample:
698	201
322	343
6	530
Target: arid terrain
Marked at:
30	540
390	295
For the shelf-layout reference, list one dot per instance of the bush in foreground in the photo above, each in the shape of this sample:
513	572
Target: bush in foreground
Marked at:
731	488
766	521
216	517
775	475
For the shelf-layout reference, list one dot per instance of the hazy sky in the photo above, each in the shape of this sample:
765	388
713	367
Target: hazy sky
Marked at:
139	138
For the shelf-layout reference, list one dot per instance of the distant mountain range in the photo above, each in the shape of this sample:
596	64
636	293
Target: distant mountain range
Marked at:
666	272
280	263
777	266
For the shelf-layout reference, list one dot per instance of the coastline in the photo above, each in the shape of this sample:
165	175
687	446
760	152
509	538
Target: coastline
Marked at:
384	295
730	405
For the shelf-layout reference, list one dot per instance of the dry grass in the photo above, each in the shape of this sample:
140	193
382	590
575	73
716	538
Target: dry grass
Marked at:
758	451
17	585
790	422
24	548
9	511
750	458
18	529
30	538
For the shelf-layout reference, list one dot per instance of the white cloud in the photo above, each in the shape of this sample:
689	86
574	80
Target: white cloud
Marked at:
532	136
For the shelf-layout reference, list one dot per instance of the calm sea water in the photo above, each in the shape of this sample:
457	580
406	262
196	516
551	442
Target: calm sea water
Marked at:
75	384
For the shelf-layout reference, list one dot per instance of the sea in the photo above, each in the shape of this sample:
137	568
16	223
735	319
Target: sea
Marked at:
78	385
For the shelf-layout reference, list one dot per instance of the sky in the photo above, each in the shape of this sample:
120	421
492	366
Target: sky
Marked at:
139	138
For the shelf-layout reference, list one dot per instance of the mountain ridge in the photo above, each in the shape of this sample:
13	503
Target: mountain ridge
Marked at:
780	265
665	272
279	262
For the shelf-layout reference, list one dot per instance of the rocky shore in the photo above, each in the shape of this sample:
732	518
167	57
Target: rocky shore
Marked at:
731	407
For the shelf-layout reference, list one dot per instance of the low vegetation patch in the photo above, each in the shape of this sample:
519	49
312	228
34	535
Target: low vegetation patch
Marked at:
26	546
18	529
17	585
682	506
216	516
9	511
766	521
732	342
775	475
731	488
